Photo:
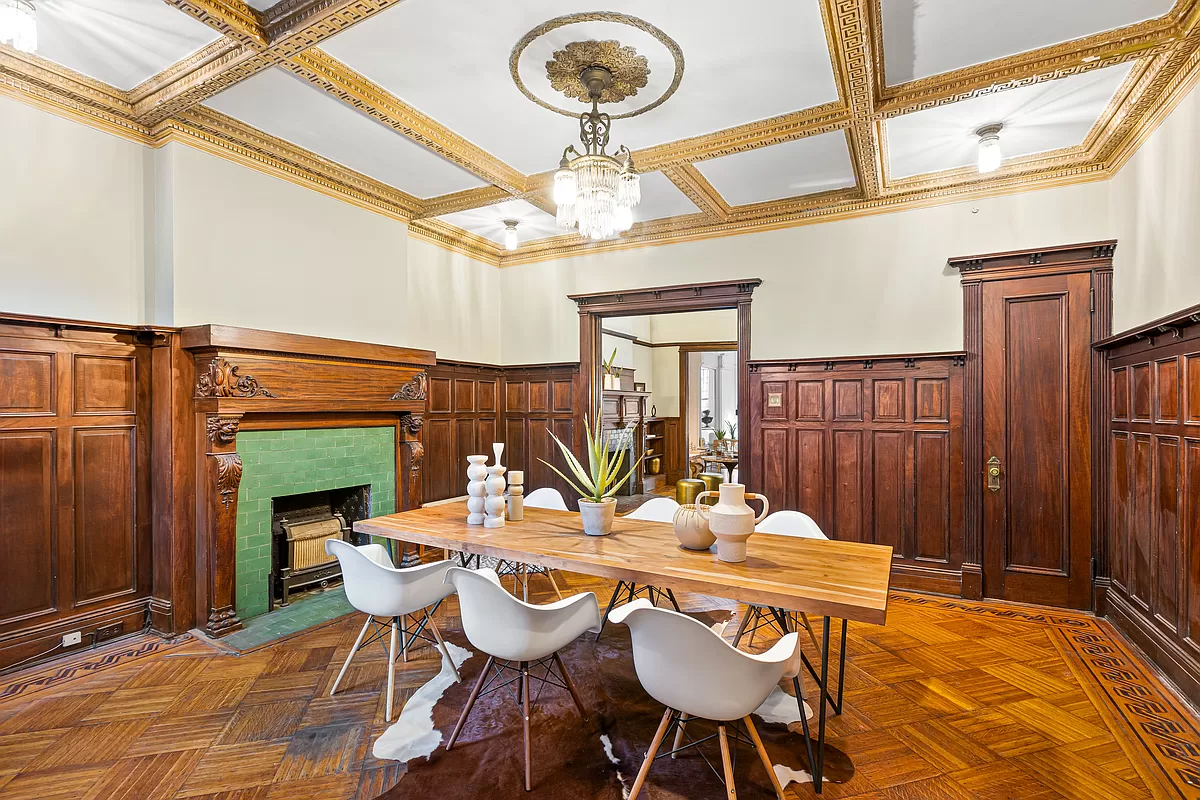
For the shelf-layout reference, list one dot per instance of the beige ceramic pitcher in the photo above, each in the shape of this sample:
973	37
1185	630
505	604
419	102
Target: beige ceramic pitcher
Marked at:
731	520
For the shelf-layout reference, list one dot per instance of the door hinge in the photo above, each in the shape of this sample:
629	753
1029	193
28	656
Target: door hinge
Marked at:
1092	300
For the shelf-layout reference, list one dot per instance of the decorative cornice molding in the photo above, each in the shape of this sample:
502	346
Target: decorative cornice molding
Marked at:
703	194
457	240
222	380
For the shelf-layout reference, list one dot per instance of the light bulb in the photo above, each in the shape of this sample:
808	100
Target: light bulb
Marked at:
623	218
565	185
990	154
18	24
511	242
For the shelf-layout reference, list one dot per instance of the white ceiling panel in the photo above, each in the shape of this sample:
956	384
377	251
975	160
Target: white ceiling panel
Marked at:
661	198
120	42
449	58
803	166
928	37
1037	118
489	221
283	105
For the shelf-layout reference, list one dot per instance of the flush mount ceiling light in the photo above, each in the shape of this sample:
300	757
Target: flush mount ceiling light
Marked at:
594	191
990	154
511	242
18	24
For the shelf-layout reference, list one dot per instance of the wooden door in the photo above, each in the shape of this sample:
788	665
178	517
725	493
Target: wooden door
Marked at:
1036	398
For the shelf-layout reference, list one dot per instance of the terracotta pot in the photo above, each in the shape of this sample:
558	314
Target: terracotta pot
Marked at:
691	528
598	517
731	520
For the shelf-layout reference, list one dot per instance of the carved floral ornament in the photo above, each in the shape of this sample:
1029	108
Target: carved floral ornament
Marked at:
630	71
222	380
415	389
416	454
229	476
412	424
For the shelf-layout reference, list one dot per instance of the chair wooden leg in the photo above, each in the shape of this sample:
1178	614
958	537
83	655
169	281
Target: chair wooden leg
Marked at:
757	619
683	718
766	759
525	718
442	644
654	744
811	634
730	792
554	583
353	650
462	719
387	715
742	627
562	669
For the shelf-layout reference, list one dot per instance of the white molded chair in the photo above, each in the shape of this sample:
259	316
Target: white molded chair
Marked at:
510	630
546	497
656	509
383	592
689	668
780	523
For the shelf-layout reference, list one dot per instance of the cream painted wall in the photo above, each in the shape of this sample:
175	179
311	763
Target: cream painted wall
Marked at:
1156	208
257	251
696	326
872	285
72	227
453	304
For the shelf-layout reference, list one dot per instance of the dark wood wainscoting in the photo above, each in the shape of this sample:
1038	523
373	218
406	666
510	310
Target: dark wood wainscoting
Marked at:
75	495
470	406
1153	590
871	448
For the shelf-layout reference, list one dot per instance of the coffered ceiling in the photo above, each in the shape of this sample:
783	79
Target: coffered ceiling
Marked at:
764	115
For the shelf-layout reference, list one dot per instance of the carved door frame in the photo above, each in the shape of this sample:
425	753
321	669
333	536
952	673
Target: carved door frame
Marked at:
1095	258
717	295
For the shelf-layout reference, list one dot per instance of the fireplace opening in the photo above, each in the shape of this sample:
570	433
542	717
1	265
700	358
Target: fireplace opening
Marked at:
300	524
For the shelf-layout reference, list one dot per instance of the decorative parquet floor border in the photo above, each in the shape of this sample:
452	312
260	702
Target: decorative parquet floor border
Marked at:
89	662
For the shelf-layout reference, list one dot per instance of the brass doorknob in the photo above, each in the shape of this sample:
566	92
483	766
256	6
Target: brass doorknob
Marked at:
993	474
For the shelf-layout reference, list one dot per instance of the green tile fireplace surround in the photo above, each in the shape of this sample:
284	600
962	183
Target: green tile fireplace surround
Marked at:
290	462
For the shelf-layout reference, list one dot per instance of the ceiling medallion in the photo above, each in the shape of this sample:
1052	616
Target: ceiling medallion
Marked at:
629	71
630	67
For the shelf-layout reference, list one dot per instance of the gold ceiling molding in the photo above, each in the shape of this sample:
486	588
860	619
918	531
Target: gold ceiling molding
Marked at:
232	18
455	239
846	31
703	194
357	91
465	200
630	71
670	44
186	66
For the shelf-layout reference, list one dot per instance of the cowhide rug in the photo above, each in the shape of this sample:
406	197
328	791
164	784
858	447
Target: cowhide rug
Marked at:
573	759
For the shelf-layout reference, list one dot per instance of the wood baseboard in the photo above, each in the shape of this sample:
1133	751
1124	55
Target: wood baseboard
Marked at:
1177	664
41	642
933	580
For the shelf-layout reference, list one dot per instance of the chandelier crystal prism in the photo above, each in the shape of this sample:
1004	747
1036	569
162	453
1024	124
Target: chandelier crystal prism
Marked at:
596	192
18	25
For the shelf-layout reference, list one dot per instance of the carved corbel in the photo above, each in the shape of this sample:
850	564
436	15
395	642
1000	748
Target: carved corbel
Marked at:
224	480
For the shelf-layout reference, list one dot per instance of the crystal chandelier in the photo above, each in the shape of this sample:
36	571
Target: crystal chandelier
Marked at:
594	191
18	24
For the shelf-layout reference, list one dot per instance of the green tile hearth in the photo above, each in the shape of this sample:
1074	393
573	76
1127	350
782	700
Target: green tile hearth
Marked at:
305	612
281	463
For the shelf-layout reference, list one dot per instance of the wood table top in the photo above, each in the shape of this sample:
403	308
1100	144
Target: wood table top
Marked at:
848	580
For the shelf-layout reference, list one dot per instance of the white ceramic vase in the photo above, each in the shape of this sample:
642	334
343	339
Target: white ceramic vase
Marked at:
598	517
476	489
691	528
731	520
494	504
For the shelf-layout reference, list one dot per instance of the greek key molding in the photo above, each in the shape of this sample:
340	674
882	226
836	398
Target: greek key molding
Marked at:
222	380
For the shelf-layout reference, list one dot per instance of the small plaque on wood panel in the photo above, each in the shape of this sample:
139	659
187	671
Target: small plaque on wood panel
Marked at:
775	400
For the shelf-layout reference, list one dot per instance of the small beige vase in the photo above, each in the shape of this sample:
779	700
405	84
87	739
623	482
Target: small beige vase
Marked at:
691	528
731	520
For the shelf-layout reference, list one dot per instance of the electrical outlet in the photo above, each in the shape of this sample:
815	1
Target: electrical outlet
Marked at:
108	632
71	639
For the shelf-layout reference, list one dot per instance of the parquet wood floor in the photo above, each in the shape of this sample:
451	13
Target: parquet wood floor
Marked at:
950	700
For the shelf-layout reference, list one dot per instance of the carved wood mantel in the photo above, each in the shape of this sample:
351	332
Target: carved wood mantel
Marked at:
252	379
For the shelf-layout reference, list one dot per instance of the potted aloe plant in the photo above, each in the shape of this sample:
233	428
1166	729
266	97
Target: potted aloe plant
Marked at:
612	373
599	481
719	439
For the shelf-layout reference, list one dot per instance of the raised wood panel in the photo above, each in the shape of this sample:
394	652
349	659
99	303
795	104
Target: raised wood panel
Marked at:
931	495
28	546
439	467
1192	388
440	395
1140	391
104	384
1166	390
932	400
842	446
847	401
1191	543
26	383
1167	545
810	400
539	397
1120	394
1141	583
464	395
888	400
888	492
563	397
516	450
514	398
1119	512
486	393
847	458
774	456
105	540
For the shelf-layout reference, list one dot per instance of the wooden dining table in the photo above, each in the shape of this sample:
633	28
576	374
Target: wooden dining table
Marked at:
847	581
